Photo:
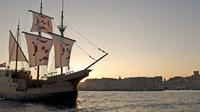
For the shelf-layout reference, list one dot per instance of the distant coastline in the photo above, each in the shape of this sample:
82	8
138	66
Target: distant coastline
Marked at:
142	83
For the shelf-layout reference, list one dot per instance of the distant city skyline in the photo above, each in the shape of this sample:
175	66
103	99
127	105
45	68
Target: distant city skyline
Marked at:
142	37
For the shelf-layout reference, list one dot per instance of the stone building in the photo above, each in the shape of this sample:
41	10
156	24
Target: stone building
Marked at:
184	83
127	84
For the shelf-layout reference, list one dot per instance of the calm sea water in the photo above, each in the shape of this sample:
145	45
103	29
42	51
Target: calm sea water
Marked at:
159	101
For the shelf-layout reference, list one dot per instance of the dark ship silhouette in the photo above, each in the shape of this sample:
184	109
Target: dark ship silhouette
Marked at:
18	85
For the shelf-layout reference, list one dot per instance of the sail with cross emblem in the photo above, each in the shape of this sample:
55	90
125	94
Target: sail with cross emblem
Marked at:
41	23
38	49
63	48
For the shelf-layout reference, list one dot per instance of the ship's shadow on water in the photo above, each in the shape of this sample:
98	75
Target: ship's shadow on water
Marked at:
15	106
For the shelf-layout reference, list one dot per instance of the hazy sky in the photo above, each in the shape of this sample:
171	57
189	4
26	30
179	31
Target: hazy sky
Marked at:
142	37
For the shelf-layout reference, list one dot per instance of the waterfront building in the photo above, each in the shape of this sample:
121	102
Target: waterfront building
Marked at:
127	84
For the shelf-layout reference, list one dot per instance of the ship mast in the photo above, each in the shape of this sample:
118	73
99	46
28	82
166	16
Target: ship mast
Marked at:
62	30
39	32
17	46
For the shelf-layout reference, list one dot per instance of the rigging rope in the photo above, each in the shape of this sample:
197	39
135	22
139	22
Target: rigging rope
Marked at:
85	38
85	52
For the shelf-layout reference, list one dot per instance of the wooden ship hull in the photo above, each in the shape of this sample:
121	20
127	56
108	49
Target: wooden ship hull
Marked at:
59	89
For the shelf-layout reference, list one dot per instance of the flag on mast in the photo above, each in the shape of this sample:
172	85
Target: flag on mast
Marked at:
3	65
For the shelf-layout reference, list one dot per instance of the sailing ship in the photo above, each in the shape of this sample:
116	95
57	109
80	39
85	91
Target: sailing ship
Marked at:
18	84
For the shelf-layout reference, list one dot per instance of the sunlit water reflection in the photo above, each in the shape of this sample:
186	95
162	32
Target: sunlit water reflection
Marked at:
117	101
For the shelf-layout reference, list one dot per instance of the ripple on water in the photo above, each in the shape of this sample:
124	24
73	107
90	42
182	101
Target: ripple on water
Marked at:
160	101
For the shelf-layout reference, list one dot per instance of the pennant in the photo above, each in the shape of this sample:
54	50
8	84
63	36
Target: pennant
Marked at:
3	65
